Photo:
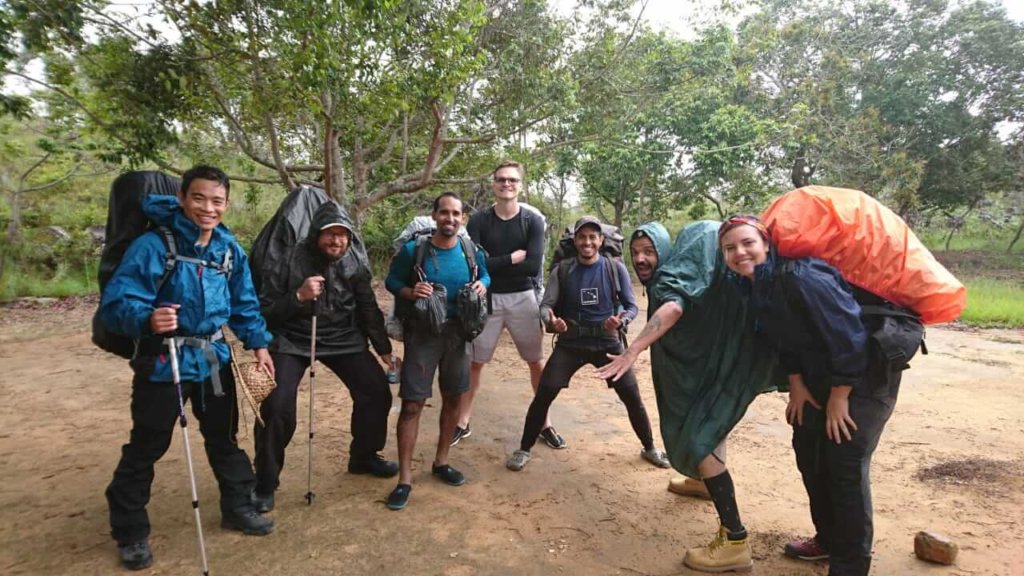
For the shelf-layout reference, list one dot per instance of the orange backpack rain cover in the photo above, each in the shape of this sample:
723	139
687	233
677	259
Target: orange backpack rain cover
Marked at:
869	244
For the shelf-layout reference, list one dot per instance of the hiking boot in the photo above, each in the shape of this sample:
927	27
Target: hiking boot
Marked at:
806	549
375	465
448	475
135	556
721	555
460	433
656	457
399	497
689	487
550	437
263	503
517	460
247	521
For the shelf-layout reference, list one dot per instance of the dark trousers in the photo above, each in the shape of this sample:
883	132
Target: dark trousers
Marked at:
563	363
371	401
837	477
154	417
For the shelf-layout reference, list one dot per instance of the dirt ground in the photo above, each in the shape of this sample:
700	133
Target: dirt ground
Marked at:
951	460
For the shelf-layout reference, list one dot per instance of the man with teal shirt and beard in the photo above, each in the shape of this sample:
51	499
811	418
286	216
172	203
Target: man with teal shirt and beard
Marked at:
705	367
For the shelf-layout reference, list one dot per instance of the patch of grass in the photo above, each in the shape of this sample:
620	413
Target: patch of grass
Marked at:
994	303
17	284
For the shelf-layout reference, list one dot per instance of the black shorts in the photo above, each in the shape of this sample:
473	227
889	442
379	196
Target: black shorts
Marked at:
425	354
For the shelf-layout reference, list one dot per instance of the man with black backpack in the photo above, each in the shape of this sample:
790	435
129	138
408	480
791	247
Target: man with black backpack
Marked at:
514	240
319	280
188	299
588	302
439	282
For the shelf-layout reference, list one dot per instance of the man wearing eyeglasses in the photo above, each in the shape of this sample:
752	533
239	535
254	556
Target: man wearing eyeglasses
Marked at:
513	237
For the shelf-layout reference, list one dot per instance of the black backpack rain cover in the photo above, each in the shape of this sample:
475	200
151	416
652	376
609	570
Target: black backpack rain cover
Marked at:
125	223
273	247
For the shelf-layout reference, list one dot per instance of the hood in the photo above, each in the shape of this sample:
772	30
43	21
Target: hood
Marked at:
164	210
659	236
327	214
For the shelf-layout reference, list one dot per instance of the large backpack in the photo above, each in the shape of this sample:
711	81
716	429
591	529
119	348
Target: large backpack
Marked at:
871	246
126	221
276	242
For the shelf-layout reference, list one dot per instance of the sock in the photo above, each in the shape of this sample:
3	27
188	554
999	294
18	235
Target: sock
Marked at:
724	496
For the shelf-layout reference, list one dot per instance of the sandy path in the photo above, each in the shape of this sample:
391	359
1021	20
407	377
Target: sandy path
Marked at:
595	508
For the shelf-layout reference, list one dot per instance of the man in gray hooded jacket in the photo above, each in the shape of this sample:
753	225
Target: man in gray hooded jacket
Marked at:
320	279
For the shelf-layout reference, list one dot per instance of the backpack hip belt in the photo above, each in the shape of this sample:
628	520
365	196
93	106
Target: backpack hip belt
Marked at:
205	344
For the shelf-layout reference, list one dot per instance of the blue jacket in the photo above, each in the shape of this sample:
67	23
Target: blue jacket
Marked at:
809	313
208	298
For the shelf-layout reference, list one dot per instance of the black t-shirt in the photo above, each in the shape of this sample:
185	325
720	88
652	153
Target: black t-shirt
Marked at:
502	237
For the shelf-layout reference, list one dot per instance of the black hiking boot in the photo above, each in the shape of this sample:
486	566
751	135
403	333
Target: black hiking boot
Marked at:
263	503
247	521
375	465
135	556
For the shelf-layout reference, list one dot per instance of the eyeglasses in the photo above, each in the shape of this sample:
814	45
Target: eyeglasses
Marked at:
506	180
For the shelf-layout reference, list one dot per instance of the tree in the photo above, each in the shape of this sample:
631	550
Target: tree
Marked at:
368	100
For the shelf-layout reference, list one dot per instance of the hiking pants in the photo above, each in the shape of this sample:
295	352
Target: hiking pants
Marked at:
371	402
837	477
154	410
563	363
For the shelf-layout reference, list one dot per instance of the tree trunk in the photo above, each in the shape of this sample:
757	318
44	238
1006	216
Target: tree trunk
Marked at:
14	224
1016	237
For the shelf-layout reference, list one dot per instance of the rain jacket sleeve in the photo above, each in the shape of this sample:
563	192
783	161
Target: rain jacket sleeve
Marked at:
245	320
835	317
368	314
130	297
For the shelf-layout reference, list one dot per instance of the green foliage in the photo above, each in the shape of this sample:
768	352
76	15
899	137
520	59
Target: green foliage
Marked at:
994	303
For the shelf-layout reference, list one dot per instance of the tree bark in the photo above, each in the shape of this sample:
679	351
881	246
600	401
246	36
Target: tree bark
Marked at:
1016	237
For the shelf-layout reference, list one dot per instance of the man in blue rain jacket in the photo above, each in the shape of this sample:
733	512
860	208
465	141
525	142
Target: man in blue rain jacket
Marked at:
209	286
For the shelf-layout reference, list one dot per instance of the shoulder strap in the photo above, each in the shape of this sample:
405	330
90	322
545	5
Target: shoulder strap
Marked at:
420	254
469	251
170	254
613	273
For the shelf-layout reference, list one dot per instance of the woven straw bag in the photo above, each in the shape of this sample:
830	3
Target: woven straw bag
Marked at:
254	383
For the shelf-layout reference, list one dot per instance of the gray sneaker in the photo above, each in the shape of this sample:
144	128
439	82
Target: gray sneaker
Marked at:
517	460
656	457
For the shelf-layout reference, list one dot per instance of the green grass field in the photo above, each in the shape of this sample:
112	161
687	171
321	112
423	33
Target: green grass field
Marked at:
993	302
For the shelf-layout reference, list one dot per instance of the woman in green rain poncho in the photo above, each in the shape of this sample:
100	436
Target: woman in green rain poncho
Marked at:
705	365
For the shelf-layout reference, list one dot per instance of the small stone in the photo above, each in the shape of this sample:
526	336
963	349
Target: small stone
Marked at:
934	547
453	555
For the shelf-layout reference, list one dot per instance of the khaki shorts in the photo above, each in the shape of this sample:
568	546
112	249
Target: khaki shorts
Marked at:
520	313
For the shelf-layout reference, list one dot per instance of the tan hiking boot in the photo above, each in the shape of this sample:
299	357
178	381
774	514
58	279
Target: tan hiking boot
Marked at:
689	487
721	555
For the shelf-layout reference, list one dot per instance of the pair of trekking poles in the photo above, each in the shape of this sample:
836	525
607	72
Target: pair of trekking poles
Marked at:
172	346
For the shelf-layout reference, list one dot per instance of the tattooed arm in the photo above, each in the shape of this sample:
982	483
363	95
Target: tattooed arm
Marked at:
663	319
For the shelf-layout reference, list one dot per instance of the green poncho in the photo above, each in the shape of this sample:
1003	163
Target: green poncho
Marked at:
707	368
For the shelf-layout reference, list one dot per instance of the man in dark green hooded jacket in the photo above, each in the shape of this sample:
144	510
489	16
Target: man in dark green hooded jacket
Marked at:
324	275
705	367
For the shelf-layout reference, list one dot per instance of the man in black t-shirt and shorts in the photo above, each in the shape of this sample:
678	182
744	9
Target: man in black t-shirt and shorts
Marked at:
513	237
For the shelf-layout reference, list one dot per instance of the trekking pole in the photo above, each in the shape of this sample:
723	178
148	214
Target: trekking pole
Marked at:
312	376
172	345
